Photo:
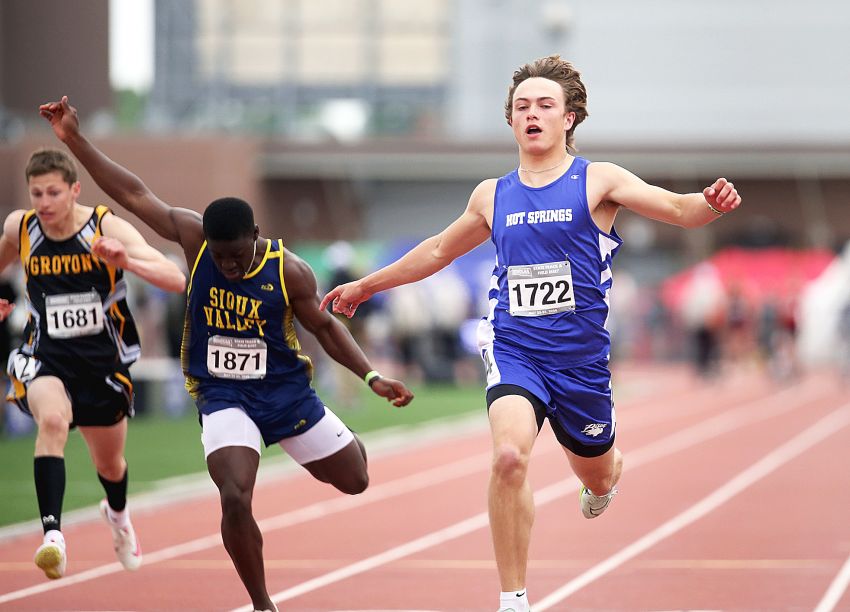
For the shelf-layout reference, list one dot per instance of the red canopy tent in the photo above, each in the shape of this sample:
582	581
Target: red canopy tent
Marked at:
774	273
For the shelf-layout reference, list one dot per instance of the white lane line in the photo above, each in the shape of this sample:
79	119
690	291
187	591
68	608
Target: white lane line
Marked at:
774	405
737	417
821	430
426	478
836	589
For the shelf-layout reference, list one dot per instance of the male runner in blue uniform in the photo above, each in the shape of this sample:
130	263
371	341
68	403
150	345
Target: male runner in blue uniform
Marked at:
240	354
72	369
544	343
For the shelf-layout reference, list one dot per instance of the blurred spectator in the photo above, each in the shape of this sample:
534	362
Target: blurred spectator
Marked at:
622	323
13	421
410	322
844	343
449	302
662	336
819	313
740	329
702	313
342	385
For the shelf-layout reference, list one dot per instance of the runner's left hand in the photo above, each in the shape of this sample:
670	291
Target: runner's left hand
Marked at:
394	390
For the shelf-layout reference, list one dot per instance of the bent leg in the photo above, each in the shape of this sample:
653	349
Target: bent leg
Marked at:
599	474
332	453
510	502
106	447
345	469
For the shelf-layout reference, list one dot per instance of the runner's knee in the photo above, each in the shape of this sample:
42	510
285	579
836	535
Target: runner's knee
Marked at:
510	464
53	425
235	501
354	483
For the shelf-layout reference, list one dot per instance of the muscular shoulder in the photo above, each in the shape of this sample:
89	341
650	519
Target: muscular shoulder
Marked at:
298	275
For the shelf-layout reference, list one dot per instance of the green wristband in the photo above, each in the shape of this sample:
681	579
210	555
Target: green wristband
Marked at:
371	377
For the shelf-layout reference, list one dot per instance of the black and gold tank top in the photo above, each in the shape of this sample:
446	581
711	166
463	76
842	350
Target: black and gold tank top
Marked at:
76	303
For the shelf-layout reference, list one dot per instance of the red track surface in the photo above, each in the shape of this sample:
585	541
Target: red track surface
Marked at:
734	497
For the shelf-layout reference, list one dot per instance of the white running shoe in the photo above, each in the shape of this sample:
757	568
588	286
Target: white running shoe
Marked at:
51	557
594	505
124	541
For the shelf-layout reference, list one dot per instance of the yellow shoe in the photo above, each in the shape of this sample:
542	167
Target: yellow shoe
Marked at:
51	556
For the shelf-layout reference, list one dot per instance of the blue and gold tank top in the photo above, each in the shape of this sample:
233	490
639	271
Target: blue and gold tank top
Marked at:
76	303
243	331
550	286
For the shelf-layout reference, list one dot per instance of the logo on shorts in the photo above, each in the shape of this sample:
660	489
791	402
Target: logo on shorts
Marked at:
267	287
593	429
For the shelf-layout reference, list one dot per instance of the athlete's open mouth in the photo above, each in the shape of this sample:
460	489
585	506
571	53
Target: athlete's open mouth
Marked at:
533	129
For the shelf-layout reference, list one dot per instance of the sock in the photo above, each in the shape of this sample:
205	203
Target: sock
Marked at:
49	473
514	600
116	492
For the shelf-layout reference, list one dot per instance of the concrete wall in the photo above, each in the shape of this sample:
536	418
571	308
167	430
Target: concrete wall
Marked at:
48	49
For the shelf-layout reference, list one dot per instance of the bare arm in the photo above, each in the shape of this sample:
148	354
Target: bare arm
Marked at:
124	247
9	244
334	337
609	183
176	224
10	240
429	256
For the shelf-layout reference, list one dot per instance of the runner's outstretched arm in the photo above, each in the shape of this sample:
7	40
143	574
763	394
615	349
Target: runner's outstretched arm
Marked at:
180	225
334	337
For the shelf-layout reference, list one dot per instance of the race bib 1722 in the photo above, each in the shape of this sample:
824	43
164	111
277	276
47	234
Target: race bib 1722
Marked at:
540	289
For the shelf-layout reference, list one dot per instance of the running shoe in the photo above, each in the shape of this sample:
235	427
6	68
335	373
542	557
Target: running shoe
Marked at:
51	557
124	541
594	505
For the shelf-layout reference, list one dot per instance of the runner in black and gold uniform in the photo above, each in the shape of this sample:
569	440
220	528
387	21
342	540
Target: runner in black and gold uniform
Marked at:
80	339
242	359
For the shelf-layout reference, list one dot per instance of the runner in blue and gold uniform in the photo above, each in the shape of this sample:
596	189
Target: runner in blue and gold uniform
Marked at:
241	357
240	347
544	341
79	342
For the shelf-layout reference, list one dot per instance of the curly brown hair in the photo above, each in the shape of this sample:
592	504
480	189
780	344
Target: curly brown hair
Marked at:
565	75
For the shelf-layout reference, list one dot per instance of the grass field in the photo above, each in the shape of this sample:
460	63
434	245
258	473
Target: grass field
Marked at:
159	447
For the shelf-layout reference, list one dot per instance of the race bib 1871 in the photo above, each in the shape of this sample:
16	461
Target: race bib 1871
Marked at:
540	289
236	358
